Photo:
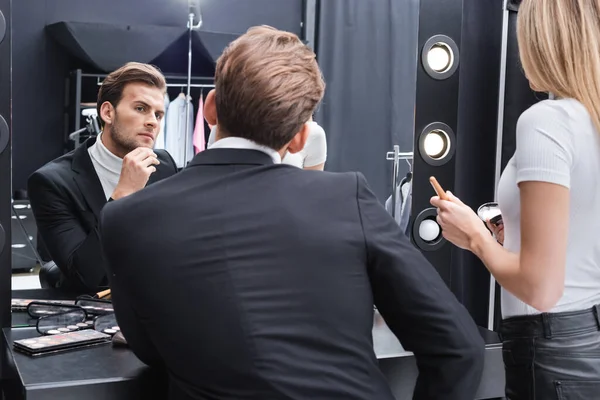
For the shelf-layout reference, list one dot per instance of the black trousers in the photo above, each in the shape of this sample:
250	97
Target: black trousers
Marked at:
552	356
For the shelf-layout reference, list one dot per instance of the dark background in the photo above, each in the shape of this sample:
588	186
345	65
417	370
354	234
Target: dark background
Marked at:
40	65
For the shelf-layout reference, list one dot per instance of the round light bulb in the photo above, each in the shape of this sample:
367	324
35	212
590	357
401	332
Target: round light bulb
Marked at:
439	58
429	230
434	144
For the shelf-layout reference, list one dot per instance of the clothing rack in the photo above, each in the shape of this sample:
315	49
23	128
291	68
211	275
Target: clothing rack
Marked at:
191	27
169	78
396	156
198	85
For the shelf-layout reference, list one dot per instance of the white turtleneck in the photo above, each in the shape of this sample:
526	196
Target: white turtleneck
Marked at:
107	166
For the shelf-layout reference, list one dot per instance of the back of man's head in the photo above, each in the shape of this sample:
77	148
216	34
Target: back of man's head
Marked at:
268	84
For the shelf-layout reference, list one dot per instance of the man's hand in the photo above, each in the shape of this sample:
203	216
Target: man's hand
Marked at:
138	165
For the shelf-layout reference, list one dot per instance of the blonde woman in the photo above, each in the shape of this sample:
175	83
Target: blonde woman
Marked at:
549	194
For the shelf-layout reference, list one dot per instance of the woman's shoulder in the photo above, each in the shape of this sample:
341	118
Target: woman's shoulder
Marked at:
549	110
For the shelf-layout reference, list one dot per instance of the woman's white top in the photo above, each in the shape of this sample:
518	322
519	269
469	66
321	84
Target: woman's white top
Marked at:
558	143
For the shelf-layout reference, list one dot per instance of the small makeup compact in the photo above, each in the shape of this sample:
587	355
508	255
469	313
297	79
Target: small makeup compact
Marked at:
60	342
490	212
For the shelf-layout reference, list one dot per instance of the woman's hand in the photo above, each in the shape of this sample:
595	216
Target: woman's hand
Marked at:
460	225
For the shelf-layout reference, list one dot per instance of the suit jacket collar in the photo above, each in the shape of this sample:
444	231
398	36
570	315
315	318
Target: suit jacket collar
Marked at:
86	178
225	156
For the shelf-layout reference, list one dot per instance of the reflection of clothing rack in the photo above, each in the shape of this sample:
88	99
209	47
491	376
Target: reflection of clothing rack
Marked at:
191	85
169	78
396	156
191	27
83	87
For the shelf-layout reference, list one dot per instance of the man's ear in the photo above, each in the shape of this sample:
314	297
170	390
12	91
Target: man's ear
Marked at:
107	112
210	108
299	141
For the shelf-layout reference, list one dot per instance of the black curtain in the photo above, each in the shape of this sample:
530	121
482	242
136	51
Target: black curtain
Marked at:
367	50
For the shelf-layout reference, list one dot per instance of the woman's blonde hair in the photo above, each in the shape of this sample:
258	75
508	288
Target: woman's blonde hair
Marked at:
559	46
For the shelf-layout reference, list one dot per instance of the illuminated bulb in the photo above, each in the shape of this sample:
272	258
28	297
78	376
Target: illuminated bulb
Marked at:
429	230
439	58
434	144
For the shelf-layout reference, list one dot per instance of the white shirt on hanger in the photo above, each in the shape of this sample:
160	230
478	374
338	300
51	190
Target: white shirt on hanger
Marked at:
160	142
176	131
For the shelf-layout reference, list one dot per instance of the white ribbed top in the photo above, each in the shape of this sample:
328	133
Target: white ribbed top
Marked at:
558	143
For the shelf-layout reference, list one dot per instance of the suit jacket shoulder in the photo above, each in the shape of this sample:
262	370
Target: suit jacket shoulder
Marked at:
166	160
59	169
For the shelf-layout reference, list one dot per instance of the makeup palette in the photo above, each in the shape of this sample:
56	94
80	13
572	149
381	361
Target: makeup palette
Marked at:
95	307
21	304
61	342
70	321
107	324
37	309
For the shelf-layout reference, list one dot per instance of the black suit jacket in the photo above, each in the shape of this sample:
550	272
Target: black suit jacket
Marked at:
66	198
249	280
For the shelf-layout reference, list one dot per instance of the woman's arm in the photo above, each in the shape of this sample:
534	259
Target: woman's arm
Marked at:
537	274
543	164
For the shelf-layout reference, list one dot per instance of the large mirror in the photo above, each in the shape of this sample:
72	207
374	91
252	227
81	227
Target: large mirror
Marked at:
61	55
54	108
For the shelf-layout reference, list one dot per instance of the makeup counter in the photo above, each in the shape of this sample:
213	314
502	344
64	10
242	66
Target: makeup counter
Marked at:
110	372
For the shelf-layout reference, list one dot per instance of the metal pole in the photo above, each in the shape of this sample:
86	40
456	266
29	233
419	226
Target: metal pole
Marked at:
395	178
189	83
499	137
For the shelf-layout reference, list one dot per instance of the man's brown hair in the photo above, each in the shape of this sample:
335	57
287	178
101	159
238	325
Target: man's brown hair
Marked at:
267	84
113	85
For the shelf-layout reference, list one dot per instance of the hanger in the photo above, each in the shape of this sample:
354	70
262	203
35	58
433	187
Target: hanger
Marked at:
409	174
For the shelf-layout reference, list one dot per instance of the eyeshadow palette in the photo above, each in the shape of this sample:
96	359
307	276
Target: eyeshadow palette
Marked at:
112	330
21	304
97	310
61	342
57	330
95	306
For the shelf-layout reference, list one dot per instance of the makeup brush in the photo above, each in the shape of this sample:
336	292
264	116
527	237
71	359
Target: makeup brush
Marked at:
438	188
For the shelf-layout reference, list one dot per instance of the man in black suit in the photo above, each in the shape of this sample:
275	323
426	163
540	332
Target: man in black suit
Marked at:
249	279
68	193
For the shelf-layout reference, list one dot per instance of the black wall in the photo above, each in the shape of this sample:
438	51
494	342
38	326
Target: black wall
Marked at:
5	222
40	64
